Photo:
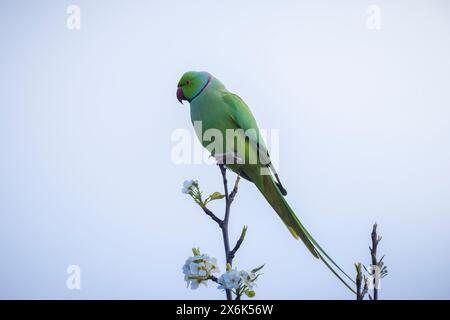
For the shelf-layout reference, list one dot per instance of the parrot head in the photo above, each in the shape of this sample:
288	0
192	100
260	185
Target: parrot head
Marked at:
191	85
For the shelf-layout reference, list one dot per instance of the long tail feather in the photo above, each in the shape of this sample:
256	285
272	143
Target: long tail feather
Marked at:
274	196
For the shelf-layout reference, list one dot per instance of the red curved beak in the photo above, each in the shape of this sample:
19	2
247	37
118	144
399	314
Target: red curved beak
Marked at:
180	95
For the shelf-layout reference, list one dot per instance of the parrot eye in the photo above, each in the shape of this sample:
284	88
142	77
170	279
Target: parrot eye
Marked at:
187	82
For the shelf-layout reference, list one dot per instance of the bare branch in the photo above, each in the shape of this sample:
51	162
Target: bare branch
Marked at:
238	243
361	290
373	253
212	215
235	188
223	224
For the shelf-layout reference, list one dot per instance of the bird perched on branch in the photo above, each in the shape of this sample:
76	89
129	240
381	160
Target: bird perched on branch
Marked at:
238	144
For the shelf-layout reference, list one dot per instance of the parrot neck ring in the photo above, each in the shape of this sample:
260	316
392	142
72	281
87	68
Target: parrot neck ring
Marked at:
181	96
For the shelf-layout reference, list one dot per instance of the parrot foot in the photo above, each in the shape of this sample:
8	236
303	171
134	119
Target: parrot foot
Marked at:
227	158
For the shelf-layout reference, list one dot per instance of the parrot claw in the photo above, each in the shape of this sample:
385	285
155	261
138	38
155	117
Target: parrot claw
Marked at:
227	158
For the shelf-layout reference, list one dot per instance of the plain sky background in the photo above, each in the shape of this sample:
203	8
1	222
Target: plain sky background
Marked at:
86	118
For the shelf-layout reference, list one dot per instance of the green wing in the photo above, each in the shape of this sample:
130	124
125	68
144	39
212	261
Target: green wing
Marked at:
244	119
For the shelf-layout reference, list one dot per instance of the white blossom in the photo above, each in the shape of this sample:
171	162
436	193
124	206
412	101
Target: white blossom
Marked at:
233	279
248	278
198	270
187	186
230	279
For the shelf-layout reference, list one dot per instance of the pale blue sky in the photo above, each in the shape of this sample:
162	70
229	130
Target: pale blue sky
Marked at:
86	118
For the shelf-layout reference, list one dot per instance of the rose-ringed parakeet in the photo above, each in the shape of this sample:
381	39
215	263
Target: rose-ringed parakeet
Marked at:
215	108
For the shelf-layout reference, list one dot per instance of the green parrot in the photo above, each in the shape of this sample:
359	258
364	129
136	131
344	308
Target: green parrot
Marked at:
217	109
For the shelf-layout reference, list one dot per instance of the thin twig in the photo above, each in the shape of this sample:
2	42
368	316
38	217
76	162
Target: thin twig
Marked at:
359	295
375	263
238	243
212	215
235	188
223	170
376	272
360	290
223	224
366	287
